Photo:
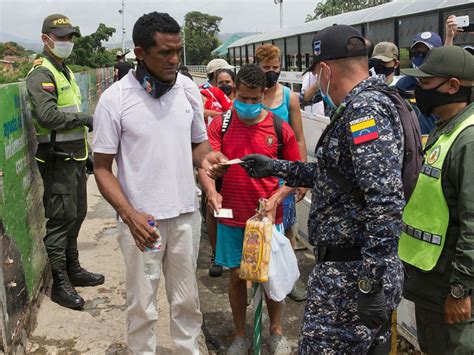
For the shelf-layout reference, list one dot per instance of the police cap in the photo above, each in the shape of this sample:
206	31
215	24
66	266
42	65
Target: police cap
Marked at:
333	43
59	25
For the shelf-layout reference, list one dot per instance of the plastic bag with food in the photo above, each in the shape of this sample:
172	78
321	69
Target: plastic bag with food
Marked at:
256	248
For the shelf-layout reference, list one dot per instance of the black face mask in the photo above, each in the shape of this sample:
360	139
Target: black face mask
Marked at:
377	66
271	78
428	100
226	88
151	85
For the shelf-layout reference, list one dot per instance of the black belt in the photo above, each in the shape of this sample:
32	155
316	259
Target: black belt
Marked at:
324	254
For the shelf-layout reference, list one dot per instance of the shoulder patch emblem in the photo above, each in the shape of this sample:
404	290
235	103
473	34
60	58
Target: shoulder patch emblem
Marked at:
434	155
37	62
364	130
48	86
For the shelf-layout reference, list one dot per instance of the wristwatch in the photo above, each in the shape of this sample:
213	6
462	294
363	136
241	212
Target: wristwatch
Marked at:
458	291
366	286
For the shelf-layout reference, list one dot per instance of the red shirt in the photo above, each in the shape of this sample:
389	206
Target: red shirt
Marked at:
239	191
216	100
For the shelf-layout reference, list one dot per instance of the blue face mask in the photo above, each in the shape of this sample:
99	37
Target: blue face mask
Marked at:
417	60
325	96
247	111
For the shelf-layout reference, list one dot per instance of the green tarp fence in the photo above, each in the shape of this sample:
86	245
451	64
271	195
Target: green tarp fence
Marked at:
23	258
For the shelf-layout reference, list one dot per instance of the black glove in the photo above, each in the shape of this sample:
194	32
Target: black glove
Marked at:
90	164
257	165
372	309
90	125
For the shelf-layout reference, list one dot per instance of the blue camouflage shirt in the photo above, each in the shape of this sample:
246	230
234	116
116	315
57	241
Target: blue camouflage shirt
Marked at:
365	145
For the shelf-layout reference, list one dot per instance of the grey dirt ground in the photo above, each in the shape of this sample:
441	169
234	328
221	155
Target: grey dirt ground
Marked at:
100	328
218	323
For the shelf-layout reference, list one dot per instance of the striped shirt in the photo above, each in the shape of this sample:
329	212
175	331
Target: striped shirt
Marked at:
240	192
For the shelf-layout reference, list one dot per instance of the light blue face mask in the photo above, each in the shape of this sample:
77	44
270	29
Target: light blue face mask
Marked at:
326	97
247	111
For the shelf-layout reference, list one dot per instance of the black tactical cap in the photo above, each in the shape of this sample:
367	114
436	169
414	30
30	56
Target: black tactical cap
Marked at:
332	43
59	25
449	62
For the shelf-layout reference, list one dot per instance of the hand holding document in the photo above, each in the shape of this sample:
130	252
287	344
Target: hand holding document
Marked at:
224	213
231	162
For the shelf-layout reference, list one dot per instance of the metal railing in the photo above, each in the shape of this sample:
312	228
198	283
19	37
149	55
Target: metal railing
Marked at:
202	69
197	69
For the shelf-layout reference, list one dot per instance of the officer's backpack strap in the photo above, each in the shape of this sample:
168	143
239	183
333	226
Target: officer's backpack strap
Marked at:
412	144
277	124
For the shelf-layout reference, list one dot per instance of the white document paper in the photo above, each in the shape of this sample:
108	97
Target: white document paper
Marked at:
232	162
224	213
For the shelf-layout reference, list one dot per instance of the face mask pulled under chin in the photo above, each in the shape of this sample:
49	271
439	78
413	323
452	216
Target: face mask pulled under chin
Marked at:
428	100
61	49
154	87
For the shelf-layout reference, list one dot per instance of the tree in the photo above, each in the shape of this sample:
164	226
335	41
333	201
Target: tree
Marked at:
13	48
334	7
200	33
89	52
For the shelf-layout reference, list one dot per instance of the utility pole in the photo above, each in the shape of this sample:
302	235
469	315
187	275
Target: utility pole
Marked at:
122	12
281	11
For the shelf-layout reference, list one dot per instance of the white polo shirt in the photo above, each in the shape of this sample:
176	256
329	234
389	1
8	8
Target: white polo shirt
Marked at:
151	139
309	79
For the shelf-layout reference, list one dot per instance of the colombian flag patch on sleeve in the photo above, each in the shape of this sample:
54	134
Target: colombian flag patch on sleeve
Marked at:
364	130
48	86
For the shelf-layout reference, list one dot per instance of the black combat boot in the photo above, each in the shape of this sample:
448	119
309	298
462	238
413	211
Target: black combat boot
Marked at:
62	291
78	275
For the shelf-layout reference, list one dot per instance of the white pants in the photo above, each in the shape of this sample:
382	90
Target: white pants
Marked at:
180	245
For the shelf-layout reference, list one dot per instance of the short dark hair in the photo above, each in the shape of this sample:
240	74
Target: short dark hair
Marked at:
210	76
146	26
228	71
252	76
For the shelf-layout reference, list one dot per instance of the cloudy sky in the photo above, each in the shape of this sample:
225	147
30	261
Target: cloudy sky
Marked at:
23	18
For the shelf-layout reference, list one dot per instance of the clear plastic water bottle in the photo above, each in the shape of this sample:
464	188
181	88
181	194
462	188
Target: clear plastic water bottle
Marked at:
151	257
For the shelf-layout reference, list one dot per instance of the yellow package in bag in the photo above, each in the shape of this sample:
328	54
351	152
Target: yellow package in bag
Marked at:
256	248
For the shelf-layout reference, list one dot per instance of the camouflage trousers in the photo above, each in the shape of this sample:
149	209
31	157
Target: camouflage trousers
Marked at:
330	323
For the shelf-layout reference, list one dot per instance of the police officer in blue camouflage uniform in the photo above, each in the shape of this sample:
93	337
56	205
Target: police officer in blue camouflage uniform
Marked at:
357	200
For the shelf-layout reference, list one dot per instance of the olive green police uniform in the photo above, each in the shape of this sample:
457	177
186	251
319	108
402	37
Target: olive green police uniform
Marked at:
437	242
65	198
432	266
61	132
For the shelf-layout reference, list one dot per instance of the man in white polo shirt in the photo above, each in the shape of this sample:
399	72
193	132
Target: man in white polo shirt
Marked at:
311	101
152	123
